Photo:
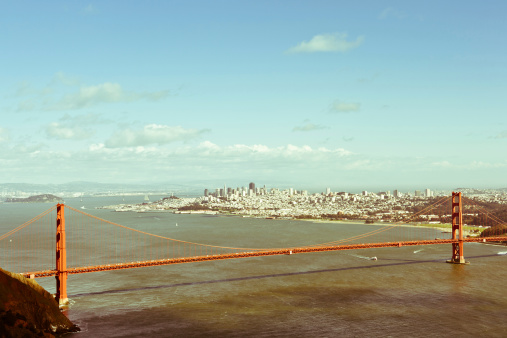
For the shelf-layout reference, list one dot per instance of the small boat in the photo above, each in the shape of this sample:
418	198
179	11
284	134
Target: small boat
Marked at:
374	258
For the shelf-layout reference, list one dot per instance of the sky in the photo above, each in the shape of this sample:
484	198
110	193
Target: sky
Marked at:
351	95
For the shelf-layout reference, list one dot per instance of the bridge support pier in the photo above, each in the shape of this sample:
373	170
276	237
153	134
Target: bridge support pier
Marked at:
61	257
457	227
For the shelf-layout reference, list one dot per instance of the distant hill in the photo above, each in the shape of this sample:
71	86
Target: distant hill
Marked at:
27	310
45	198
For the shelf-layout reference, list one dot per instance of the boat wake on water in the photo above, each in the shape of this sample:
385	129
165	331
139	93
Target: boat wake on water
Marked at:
374	258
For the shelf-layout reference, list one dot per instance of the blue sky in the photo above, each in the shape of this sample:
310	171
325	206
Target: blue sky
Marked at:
341	94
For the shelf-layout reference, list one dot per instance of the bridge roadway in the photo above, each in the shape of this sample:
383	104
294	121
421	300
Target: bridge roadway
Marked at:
284	251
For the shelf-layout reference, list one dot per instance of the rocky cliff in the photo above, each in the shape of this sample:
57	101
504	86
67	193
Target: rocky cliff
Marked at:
27	310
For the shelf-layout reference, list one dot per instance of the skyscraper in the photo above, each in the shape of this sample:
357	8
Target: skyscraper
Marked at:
251	186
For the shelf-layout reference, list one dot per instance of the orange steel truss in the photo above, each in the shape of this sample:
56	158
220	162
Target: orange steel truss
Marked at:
457	227
61	256
285	251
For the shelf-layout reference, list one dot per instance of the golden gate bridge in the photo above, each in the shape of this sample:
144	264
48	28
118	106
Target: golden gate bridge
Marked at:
36	254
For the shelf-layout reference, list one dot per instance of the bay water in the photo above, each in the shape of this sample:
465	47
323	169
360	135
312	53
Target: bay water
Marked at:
407	291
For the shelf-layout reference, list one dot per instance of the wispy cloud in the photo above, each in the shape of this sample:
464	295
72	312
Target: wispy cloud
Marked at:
77	127
502	134
344	107
90	9
66	92
486	165
152	134
4	135
391	12
103	93
65	79
336	42
308	126
442	164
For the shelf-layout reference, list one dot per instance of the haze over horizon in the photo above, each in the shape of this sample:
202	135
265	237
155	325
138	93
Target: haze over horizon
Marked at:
366	94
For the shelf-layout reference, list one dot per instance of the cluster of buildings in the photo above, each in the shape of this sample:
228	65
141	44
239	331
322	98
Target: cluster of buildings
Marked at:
291	203
229	192
252	190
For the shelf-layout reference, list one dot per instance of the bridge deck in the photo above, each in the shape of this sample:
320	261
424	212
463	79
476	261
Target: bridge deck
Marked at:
284	251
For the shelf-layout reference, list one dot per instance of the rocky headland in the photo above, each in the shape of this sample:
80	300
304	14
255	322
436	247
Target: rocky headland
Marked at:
27	310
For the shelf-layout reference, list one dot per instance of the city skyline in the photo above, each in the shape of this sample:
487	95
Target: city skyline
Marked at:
365	95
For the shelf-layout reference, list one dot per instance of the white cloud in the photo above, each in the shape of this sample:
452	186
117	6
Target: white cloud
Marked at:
208	151
344	107
60	131
336	42
151	134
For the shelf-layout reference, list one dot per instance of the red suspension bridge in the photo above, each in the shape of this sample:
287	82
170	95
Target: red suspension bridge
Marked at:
36	253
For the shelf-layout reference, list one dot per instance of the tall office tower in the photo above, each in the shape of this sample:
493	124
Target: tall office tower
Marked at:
328	191
251	186
229	191
417	193
291	191
428	193
205	192
222	193
217	192
396	194
364	193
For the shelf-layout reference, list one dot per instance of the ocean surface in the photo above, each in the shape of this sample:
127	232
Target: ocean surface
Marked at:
406	292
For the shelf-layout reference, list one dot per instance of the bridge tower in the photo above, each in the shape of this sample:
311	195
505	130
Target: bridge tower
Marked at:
457	227
61	257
